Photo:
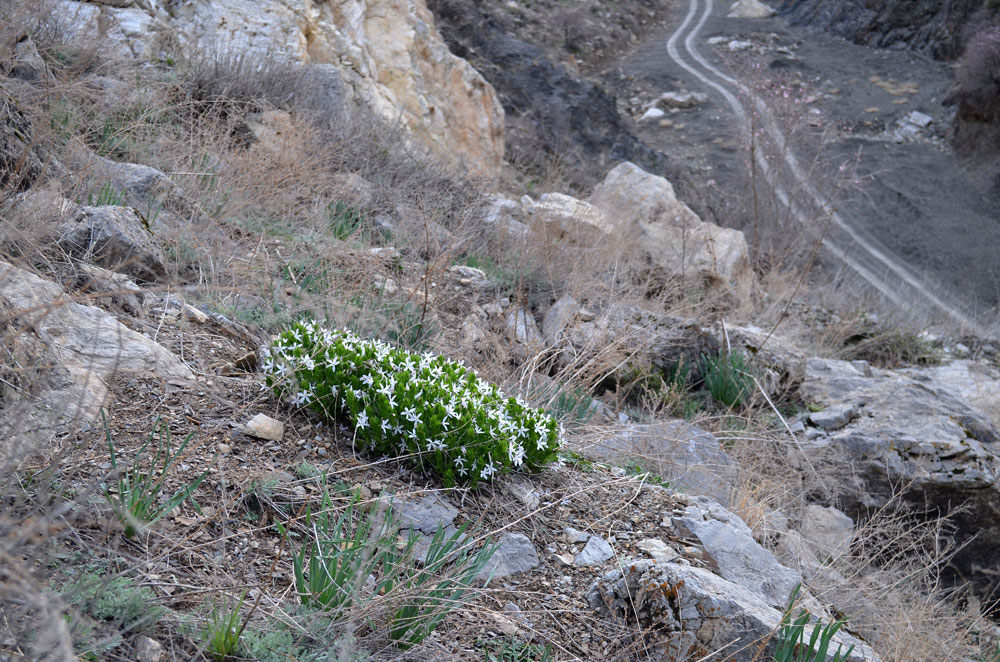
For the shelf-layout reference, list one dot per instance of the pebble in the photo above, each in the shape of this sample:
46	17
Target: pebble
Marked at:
223	448
262	426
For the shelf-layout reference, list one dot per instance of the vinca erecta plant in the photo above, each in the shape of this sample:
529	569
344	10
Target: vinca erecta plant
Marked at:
432	410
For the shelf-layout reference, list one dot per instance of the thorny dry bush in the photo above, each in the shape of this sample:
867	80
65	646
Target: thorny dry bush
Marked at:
274	210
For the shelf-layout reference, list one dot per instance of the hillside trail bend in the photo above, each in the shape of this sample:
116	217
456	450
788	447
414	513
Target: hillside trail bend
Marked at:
922	233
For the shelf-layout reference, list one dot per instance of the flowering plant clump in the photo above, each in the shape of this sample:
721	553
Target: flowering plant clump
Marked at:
436	411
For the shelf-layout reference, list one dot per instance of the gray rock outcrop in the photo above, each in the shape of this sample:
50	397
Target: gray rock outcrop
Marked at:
913	437
689	612
68	354
115	238
734	554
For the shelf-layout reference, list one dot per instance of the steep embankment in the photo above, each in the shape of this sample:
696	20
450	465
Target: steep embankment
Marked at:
553	114
935	27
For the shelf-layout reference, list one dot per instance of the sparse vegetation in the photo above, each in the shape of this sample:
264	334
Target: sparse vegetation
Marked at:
134	496
268	237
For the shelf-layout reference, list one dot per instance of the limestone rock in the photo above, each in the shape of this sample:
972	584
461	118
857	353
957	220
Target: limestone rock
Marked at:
682	100
834	417
827	530
595	552
70	353
566	216
558	318
736	556
689	458
522	329
686	611
676	244
147	650
388	52
913	431
264	427
750	9
424	515
113	237
659	550
515	554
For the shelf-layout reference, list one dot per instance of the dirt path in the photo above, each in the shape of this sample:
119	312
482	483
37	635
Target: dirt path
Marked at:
920	229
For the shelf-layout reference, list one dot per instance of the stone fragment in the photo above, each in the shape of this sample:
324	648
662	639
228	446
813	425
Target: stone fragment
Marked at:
115	238
69	354
596	551
659	550
682	100
683	611
263	426
652	114
147	650
827	530
516	554
834	417
425	515
750	9
558	318
687	457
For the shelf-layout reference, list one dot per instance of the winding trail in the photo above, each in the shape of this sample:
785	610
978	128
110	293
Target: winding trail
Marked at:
872	263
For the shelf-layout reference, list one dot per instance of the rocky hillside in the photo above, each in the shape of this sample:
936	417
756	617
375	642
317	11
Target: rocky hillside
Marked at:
938	28
500	427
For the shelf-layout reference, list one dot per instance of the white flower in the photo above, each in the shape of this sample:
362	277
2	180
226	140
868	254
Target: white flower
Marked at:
516	454
488	471
410	414
302	397
435	445
460	466
385	425
362	420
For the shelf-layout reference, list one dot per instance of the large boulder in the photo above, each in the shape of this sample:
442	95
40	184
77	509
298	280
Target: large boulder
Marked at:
67	354
113	237
675	243
685	613
387	52
916	439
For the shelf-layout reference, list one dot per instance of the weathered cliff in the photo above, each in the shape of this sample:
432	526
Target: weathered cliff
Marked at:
388	53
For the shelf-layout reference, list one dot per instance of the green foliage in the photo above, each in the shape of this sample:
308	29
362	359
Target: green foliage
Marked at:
136	500
509	649
433	591
792	645
116	600
727	378
107	195
346	221
435	411
222	632
333	566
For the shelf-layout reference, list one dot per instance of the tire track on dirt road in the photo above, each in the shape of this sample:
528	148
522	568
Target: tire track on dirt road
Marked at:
895	276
